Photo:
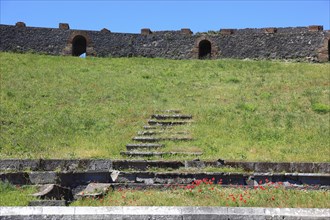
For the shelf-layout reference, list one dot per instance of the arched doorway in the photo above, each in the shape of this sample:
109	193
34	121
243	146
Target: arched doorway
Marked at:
204	51
79	45
329	50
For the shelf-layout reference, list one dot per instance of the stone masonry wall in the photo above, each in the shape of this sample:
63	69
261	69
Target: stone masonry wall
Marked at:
307	43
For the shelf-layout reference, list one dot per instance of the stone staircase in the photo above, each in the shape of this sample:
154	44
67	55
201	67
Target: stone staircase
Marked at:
163	127
62	181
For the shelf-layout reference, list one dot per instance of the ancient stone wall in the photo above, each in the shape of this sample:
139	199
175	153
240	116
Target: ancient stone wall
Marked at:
306	43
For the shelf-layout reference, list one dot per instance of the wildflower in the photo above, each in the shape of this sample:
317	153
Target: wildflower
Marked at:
244	201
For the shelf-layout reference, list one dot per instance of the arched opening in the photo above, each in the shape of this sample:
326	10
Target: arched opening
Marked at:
204	51
329	50
78	45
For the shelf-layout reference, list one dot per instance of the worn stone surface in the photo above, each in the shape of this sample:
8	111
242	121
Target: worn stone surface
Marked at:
48	203
99	165
130	147
150	154
157	139
54	192
19	165
145	164
163	213
167	123
49	177
177	116
16	178
83	178
94	190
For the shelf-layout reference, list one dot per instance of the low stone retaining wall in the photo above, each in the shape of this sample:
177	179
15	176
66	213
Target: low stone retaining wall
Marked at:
75	179
108	164
164	213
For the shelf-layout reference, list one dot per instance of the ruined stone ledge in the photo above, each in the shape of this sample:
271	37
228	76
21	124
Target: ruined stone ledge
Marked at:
74	179
168	123
157	154
157	139
143	146
164	117
8	165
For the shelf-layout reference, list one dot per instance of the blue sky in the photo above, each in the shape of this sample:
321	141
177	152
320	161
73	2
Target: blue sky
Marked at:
131	16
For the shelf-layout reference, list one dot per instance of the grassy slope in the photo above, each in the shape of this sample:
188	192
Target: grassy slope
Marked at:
202	195
66	107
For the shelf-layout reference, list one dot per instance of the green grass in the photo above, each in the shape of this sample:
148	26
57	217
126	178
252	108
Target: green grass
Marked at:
11	195
213	195
66	107
193	195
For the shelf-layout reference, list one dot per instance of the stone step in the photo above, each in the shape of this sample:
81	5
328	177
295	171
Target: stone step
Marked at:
157	139
172	111
165	117
157	127
143	146
167	123
48	203
146	133
94	190
159	154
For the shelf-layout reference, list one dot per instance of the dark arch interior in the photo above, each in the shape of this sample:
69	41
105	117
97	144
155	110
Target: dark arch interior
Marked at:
204	49
78	45
329	50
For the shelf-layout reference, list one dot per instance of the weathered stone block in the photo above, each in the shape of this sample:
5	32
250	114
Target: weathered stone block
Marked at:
19	165
133	164
95	190
43	177
48	203
270	30
83	178
186	31
64	26
194	164
105	30
146	31
20	24
315	28
52	191
20	178
100	165
282	167
226	31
